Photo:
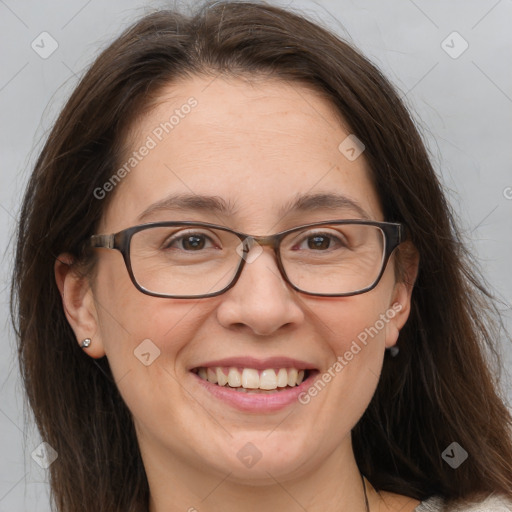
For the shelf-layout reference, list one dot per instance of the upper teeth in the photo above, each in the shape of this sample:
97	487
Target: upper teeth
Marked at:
249	378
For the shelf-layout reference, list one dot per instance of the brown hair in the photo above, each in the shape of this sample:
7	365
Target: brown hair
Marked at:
438	390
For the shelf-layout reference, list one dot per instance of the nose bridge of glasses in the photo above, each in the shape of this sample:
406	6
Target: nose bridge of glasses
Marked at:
253	248
250	241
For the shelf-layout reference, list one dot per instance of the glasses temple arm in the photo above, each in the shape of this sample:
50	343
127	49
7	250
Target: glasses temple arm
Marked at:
104	241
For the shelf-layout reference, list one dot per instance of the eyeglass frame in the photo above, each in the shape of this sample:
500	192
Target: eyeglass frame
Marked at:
394	235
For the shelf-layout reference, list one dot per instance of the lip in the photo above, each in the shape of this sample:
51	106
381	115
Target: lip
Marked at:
257	364
253	402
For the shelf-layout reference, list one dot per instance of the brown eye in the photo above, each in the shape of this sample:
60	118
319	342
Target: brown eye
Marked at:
189	242
193	242
319	242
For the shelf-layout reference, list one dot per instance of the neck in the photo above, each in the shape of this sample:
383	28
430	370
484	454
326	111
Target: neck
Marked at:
333	486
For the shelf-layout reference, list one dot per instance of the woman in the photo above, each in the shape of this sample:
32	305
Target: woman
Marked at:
238	284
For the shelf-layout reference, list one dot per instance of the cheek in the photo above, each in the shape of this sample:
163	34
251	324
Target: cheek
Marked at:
354	321
137	329
147	343
354	329
357	326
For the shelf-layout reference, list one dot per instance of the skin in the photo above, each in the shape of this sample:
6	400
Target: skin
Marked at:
256	144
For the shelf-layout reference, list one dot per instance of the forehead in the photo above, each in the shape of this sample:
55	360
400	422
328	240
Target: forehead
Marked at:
257	145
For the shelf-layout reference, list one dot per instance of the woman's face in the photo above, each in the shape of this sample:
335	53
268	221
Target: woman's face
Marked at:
257	147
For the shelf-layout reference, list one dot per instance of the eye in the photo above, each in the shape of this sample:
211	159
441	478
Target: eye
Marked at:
191	242
320	241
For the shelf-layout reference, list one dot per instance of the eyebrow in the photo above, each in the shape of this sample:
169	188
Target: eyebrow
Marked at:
323	201
217	205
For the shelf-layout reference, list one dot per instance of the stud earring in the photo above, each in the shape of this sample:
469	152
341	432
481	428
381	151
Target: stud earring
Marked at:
85	343
393	351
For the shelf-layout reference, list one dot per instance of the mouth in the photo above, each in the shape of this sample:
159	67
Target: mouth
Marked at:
254	385
252	380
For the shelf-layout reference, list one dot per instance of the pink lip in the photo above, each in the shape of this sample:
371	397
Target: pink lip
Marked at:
253	402
258	364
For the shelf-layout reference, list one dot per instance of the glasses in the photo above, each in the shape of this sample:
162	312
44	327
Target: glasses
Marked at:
188	259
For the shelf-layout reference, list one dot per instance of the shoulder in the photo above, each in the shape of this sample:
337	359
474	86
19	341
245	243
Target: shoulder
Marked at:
493	503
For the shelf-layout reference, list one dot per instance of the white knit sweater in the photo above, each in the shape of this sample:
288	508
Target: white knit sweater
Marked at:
490	504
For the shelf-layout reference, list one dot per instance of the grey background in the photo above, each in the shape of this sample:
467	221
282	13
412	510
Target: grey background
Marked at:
463	105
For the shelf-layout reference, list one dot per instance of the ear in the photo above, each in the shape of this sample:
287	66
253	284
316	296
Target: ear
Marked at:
400	305
78	304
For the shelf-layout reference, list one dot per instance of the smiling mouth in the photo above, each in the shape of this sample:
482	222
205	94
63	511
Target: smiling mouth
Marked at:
251	380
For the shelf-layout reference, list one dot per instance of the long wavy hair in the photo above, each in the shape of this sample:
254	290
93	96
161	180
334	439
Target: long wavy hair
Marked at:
441	388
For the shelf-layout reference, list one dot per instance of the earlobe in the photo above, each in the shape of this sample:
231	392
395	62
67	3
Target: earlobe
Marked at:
402	293
79	306
397	314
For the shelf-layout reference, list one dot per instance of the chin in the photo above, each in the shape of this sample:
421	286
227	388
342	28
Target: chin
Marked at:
261	458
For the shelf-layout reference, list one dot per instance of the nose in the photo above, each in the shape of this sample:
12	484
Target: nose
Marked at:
261	300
